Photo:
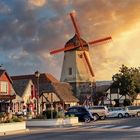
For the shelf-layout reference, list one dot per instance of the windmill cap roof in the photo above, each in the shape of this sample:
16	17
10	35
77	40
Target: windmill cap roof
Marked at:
75	42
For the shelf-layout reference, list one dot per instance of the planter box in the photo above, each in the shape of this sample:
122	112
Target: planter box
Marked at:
15	126
53	122
72	120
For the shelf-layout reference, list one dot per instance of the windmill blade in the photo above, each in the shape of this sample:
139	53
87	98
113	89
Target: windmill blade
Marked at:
88	64
99	40
70	47
76	29
75	25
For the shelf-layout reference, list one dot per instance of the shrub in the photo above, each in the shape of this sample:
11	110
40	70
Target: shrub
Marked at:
47	114
41	117
17	119
117	104
60	114
127	102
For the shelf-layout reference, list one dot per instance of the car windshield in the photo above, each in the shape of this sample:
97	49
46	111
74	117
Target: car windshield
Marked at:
96	107
133	107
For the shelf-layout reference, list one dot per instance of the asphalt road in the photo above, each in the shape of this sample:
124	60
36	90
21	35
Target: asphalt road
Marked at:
113	129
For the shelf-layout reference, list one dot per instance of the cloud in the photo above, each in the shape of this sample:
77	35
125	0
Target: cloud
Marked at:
36	3
34	27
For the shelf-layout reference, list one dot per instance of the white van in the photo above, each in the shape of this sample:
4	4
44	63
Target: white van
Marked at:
133	110
100	112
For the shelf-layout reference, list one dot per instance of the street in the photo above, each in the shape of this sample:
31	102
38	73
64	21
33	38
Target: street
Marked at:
112	129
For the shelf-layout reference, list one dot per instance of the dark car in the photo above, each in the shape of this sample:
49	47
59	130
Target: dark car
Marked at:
81	112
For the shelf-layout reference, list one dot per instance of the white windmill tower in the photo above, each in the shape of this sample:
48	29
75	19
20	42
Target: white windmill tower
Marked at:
77	67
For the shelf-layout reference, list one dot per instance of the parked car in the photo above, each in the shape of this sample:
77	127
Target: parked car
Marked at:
117	112
82	113
133	110
98	112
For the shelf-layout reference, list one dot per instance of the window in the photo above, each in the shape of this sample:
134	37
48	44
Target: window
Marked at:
81	110
3	87
70	71
72	110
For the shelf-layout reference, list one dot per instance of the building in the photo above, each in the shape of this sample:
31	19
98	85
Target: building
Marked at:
7	93
51	92
25	89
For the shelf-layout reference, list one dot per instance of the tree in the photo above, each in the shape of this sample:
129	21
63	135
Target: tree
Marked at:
128	81
99	96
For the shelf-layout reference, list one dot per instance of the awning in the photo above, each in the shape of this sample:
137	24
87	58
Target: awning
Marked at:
7	97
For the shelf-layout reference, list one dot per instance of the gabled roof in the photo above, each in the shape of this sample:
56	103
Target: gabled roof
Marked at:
44	77
64	92
4	72
1	72
103	86
20	86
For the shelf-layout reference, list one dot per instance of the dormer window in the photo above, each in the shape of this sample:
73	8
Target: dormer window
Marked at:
3	87
70	71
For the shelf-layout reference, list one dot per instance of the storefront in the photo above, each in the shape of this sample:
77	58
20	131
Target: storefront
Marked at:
6	102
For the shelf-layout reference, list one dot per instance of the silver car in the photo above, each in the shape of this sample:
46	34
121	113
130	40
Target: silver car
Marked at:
117	112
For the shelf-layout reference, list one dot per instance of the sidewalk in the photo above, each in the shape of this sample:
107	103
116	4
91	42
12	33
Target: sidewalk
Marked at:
38	129
14	132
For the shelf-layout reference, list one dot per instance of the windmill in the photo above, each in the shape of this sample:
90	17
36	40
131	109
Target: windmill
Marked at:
77	67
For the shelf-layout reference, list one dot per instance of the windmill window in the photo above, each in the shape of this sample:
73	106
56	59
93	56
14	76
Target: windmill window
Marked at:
80	55
70	71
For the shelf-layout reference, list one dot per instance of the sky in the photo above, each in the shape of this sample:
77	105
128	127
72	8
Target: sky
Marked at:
30	29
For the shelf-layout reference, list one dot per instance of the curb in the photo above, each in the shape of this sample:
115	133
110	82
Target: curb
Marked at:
14	132
56	126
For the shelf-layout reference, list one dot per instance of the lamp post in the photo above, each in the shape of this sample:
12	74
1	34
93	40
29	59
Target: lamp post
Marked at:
37	75
91	87
51	105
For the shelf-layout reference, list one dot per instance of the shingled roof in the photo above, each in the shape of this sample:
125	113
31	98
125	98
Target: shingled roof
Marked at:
20	86
103	86
64	92
44	77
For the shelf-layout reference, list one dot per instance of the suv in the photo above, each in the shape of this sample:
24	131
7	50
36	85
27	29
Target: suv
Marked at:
98	112
133	110
81	112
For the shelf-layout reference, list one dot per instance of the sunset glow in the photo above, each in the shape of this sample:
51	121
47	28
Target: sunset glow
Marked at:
30	29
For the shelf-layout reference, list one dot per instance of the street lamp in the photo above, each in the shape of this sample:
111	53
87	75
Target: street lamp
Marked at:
91	87
51	105
37	75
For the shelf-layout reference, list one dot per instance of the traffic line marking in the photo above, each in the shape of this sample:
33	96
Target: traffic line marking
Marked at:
106	126
121	127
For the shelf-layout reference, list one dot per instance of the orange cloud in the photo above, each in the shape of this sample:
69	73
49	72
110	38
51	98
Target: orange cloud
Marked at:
36	3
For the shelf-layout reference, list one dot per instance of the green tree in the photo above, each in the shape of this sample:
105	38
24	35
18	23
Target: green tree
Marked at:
128	81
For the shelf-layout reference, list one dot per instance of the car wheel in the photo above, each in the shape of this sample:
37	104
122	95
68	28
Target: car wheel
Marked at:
138	114
103	117
87	119
120	115
126	115
95	117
